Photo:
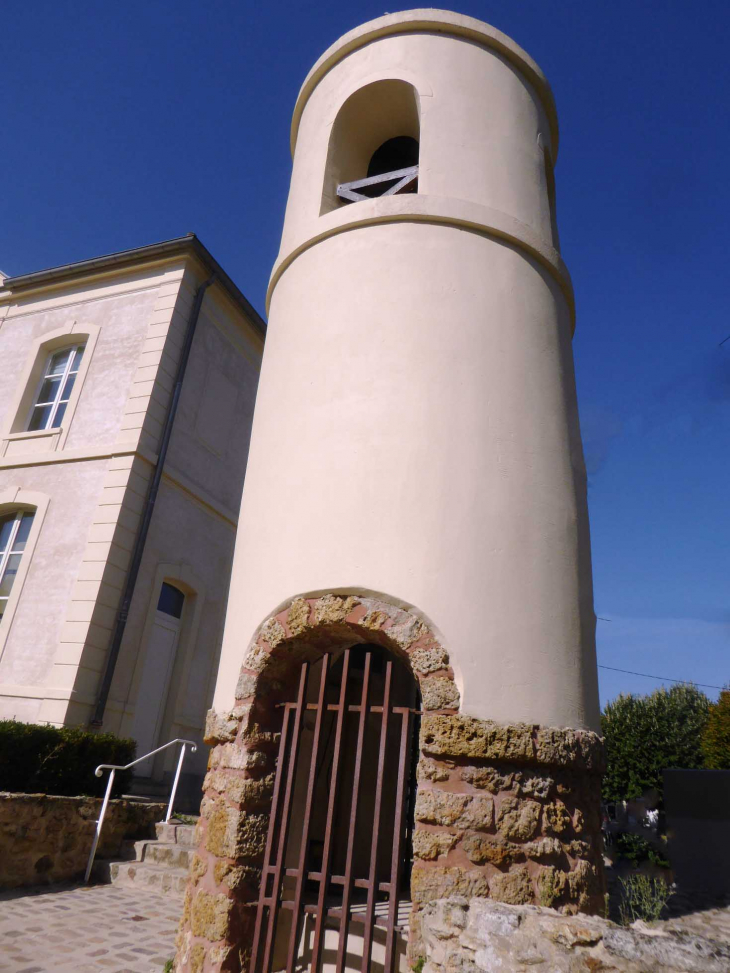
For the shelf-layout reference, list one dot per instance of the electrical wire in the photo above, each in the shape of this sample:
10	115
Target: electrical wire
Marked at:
646	675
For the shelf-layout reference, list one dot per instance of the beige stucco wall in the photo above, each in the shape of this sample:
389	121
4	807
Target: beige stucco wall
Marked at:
122	317
95	477
210	441
55	611
416	430
193	530
25	664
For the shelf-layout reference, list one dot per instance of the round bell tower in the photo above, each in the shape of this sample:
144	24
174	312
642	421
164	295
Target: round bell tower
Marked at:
416	429
415	482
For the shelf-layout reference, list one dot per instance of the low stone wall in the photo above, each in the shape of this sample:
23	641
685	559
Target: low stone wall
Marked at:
507	812
44	838
477	934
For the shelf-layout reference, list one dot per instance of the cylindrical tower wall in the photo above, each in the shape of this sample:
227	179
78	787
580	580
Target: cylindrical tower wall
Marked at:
416	428
416	479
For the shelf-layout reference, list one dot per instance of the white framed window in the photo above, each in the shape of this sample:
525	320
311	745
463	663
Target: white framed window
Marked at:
14	530
57	384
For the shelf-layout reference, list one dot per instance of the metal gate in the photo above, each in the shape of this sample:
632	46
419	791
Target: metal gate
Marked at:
315	889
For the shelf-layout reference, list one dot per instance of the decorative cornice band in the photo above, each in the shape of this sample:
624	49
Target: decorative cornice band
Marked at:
458	213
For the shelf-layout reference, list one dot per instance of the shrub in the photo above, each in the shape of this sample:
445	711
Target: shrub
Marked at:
716	738
632	847
637	849
646	735
51	760
642	898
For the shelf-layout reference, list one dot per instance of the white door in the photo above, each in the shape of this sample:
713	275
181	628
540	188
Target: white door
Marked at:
156	674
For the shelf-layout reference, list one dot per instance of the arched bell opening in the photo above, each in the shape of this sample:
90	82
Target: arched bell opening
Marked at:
374	145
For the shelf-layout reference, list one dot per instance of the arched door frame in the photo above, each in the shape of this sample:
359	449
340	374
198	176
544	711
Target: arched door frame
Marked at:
238	789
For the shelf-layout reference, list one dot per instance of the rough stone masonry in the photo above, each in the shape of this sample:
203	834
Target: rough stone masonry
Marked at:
45	838
506	812
478	934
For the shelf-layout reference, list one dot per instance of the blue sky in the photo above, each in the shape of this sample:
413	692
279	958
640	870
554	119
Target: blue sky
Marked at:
124	124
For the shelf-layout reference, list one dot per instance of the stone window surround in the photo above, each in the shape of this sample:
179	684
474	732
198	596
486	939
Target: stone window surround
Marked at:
14	429
12	499
49	372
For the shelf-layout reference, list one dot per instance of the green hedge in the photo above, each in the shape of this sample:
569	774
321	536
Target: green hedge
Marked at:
38	759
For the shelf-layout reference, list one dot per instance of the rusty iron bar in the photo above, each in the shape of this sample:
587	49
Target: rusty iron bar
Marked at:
396	860
285	818
334	912
331	805
370	906
281	824
276	797
304	840
355	708
347	884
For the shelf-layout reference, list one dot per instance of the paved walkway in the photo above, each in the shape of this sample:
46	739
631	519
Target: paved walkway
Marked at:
712	922
112	929
80	929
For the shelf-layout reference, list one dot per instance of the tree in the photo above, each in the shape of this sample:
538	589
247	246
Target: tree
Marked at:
716	738
646	735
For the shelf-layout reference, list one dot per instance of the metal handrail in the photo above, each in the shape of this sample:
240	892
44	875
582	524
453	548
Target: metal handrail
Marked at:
113	768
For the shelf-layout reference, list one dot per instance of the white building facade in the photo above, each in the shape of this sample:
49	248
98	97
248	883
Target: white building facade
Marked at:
91	355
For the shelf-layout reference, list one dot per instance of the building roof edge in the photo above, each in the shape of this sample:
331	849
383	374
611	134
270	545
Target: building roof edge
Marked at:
188	245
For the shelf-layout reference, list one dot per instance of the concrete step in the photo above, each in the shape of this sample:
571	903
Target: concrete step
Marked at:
163	853
176	834
160	865
155	878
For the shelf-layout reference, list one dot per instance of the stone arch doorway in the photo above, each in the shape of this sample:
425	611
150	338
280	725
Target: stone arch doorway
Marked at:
505	812
396	649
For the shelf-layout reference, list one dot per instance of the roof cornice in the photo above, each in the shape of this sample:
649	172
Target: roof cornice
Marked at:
184	246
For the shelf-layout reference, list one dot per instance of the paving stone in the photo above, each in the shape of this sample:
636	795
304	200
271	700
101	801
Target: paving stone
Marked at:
62	918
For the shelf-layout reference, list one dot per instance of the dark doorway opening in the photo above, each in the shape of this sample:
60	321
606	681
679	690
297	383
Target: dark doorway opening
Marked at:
338	858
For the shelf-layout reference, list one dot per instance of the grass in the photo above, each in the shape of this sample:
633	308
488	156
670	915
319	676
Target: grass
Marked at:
642	898
185	818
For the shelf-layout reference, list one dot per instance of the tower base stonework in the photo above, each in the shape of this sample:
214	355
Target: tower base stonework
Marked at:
505	812
216	928
511	813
